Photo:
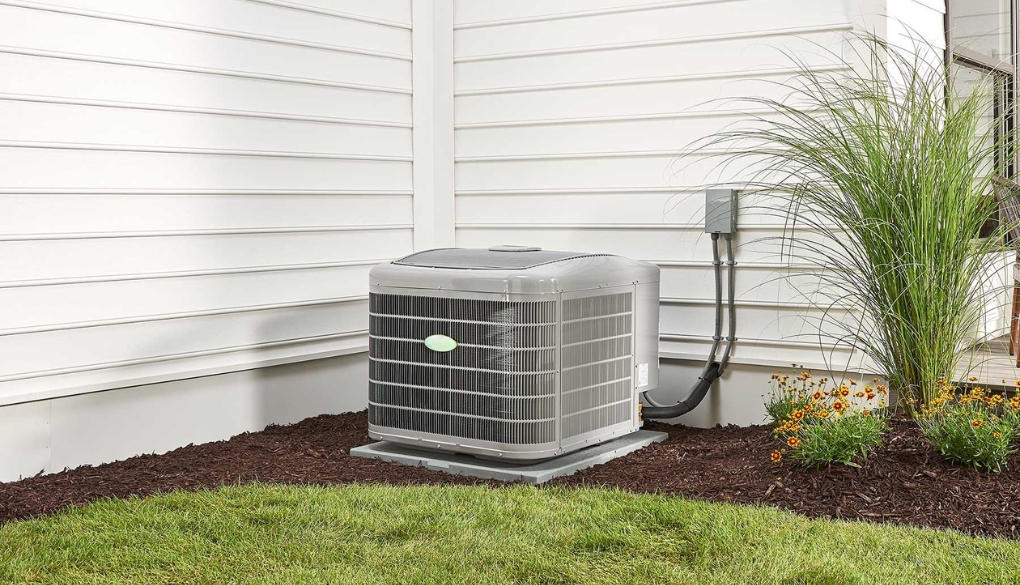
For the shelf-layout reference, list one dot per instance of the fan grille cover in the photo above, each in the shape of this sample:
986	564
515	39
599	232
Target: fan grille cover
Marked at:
498	384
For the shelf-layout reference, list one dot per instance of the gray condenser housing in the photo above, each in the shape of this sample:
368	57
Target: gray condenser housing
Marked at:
510	352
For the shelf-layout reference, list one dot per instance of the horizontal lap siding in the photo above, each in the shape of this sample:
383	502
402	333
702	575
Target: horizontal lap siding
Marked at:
194	178
569	120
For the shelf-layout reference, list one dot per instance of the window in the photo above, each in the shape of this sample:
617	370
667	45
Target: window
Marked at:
982	29
981	47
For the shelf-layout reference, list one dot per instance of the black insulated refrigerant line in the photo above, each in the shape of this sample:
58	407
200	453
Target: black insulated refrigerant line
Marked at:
712	369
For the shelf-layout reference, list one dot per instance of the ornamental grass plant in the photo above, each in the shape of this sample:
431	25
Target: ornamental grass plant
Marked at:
883	183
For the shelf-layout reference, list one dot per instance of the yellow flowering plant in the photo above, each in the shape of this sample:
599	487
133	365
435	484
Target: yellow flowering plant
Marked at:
820	424
789	393
971	426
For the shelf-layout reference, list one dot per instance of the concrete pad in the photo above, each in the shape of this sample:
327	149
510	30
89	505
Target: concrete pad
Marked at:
459	464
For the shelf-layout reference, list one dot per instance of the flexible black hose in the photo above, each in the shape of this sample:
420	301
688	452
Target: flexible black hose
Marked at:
730	294
712	369
717	331
687	404
717	264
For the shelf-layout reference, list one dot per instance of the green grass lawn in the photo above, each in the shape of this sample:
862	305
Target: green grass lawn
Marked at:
271	534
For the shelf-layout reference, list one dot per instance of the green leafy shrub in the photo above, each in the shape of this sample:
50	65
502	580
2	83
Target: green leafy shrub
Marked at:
840	439
973	428
821	425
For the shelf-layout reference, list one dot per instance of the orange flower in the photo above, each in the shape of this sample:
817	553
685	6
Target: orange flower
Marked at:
823	414
997	435
858	394
838	406
777	456
973	378
976	423
817	395
793	442
844	392
797	414
871	396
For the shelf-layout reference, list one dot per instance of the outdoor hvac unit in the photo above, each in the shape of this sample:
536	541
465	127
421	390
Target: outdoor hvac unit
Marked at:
510	352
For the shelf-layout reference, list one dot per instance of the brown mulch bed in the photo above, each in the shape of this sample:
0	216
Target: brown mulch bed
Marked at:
904	482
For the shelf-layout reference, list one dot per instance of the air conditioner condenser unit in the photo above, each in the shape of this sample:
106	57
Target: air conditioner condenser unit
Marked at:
514	353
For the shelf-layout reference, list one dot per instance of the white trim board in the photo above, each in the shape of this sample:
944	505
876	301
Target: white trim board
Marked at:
89	429
433	124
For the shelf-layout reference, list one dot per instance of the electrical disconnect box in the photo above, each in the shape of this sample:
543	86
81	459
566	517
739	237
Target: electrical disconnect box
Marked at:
720	211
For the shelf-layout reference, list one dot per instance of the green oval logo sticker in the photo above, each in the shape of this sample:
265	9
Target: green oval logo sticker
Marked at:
440	343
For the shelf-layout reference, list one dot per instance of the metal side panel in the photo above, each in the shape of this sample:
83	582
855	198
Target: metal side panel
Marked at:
597	397
646	335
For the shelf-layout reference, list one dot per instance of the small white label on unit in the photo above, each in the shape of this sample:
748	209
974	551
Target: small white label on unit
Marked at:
642	375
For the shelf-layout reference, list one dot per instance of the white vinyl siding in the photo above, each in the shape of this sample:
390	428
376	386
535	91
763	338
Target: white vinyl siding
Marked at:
192	192
195	185
569	120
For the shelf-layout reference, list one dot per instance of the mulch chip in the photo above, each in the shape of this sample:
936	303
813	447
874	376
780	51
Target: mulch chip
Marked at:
904	482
